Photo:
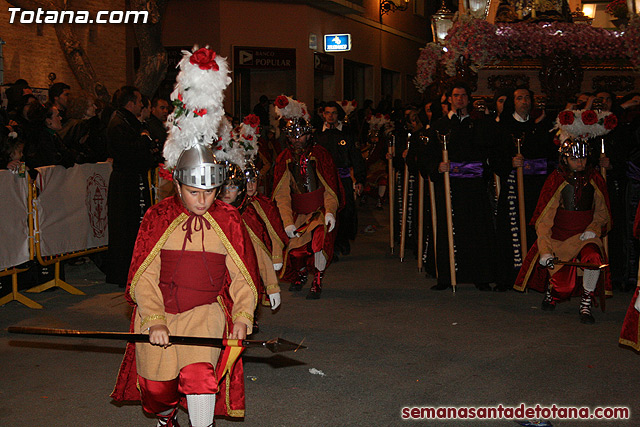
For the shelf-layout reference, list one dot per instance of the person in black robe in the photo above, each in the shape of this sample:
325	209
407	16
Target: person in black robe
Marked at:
538	158
474	237
130	146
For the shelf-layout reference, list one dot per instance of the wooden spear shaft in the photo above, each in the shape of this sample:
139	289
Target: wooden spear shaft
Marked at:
392	190
603	172
405	194
420	221
434	221
521	211
447	201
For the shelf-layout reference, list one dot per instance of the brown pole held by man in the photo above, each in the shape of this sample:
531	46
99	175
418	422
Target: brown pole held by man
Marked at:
434	220
392	190
603	172
521	211
447	199
405	194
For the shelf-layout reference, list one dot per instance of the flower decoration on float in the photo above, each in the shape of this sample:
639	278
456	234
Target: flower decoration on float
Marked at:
380	123
584	124
197	96
483	43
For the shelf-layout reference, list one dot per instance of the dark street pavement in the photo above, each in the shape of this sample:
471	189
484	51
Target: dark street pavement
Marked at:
378	340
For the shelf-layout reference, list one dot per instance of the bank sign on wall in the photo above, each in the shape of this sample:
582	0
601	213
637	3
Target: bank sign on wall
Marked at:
337	42
266	58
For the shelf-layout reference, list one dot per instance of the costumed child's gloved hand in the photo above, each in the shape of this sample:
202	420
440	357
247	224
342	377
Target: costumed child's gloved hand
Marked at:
275	300
277	266
544	259
291	231
330	220
587	235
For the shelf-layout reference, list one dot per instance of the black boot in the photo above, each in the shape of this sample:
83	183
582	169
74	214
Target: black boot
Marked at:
548	303
300	281
316	286
585	309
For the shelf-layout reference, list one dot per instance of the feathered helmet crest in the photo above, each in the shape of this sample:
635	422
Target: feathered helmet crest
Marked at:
197	99
380	123
295	116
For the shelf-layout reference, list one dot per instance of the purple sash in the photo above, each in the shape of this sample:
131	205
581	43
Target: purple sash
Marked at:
535	167
633	171
344	172
466	170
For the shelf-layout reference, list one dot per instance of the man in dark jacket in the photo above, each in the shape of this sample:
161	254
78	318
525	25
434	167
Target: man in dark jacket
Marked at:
130	147
347	158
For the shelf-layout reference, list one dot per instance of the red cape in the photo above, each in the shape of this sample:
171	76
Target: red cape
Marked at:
272	216
534	276
156	224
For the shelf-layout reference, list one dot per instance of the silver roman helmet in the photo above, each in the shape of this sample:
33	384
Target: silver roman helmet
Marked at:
197	167
574	147
296	127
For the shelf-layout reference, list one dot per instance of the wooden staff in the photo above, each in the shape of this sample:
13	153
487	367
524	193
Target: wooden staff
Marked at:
447	199
405	194
603	172
521	211
392	191
434	221
420	221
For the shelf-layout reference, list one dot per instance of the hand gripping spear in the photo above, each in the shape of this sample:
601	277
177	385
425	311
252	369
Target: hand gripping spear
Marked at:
276	345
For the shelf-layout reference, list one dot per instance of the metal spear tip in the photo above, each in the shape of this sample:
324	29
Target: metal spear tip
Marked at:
278	345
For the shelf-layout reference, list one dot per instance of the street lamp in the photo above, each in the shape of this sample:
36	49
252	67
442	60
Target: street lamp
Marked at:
387	6
441	23
477	8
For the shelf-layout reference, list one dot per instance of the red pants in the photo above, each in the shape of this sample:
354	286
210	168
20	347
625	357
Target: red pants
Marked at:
162	396
563	283
302	257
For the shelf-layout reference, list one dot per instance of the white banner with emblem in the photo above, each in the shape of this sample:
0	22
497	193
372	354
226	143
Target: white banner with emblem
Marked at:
14	226
72	207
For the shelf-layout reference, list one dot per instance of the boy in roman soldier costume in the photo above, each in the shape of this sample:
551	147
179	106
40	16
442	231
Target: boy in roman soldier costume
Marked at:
194	270
237	148
571	217
308	194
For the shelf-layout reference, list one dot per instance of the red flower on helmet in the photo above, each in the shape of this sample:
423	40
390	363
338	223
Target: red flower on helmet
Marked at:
610	121
378	115
566	117
387	117
589	117
200	112
354	103
345	103
252	120
205	59
282	101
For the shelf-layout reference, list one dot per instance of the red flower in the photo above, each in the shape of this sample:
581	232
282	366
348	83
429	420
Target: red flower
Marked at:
200	112
354	103
205	59
610	121
282	101
345	103
252	120
589	117
378	115
180	97
387	117
566	117
368	117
